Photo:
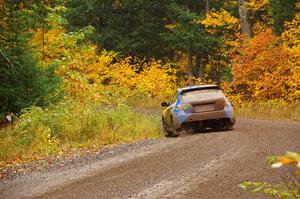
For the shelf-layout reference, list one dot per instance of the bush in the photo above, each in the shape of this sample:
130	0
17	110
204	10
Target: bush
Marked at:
41	132
26	85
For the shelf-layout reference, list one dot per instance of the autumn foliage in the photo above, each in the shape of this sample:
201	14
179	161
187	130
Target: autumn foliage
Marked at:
88	72
262	69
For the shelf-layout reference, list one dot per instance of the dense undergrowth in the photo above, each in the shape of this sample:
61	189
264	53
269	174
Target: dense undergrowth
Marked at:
42	132
272	110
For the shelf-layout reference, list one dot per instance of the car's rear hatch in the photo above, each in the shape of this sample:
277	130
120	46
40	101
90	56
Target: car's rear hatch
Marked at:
204	100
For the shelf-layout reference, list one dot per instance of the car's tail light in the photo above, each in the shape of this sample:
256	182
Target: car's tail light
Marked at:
185	107
220	104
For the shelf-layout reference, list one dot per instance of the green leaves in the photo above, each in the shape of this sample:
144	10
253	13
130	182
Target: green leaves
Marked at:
282	11
287	190
23	83
131	27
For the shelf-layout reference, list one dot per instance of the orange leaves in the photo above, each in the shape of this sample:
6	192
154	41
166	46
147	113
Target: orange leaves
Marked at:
262	67
267	67
285	160
288	158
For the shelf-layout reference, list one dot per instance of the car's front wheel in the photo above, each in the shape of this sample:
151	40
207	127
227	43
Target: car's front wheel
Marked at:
165	131
174	132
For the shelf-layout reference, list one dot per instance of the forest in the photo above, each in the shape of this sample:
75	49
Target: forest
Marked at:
80	74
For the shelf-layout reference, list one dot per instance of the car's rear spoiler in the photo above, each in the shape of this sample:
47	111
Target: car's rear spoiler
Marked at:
199	88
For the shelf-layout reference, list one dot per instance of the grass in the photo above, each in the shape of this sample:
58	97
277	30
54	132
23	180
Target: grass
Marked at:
42	132
276	110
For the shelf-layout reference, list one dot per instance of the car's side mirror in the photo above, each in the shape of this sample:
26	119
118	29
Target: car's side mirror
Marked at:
164	104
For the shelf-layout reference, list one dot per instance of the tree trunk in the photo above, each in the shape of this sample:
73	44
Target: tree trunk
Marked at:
199	66
244	18
43	38
199	59
190	60
189	51
207	7
2	6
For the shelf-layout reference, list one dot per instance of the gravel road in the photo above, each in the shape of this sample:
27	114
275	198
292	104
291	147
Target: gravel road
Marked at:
206	165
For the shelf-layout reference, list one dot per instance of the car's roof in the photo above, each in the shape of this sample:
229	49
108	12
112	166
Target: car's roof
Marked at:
197	87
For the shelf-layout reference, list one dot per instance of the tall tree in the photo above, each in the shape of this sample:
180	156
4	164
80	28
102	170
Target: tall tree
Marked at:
22	83
244	18
132	27
281	11
199	61
186	35
189	48
206	6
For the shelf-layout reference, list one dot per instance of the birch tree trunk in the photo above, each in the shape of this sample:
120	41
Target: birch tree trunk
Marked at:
244	18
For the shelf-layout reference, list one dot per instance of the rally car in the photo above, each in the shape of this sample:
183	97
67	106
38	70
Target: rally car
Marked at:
197	108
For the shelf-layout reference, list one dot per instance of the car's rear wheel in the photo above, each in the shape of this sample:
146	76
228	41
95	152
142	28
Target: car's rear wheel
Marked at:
227	125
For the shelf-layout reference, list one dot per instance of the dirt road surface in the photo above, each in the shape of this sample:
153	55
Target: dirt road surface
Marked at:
206	165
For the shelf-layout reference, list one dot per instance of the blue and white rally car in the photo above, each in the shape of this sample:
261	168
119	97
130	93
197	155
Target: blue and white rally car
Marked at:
197	108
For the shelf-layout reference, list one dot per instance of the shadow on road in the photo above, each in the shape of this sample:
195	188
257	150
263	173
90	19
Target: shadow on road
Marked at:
206	131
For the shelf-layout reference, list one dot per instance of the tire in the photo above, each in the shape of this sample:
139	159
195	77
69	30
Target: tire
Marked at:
200	128
227	126
165	131
174	132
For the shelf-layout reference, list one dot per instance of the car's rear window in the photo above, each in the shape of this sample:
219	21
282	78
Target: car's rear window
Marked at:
201	94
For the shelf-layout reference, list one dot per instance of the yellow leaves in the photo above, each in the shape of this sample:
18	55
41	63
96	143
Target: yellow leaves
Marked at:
222	22
291	44
256	5
171	26
85	71
290	36
219	19
81	65
157	80
98	66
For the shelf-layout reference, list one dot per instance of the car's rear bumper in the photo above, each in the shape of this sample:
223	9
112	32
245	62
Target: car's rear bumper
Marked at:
206	116
194	117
